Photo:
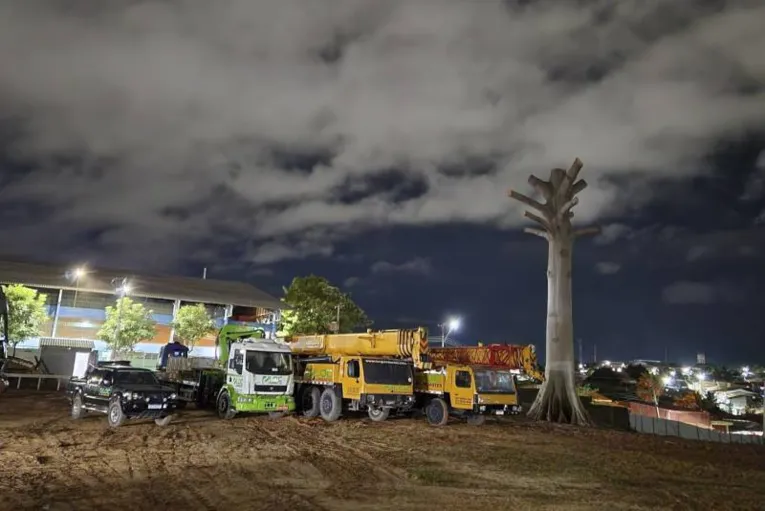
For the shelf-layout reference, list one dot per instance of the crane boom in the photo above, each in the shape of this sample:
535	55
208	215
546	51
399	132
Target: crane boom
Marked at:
404	343
509	356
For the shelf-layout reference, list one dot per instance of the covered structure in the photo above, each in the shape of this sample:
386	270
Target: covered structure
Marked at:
76	301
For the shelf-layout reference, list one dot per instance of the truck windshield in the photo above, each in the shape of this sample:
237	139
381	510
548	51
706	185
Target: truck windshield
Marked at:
135	378
387	372
264	362
489	381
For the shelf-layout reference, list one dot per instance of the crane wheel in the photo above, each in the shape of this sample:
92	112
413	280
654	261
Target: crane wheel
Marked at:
330	405
437	412
309	401
378	414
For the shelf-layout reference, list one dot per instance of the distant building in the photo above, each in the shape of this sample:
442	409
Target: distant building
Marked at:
735	401
701	359
76	306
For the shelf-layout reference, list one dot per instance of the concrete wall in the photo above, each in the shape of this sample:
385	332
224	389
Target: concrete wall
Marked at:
663	427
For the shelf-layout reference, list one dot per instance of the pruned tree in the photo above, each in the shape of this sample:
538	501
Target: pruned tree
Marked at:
557	400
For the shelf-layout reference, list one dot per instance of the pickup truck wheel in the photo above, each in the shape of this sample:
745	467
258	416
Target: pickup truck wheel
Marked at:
378	414
309	401
163	421
225	410
114	414
77	411
437	412
330	405
476	419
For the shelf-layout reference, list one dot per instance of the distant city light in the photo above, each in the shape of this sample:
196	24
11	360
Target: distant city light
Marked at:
607	363
654	371
745	371
701	376
686	370
668	380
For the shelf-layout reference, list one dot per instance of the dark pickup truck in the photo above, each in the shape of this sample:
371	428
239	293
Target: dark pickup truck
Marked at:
121	392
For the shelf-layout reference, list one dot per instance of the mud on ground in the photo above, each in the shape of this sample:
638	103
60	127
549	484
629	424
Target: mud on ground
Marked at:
201	463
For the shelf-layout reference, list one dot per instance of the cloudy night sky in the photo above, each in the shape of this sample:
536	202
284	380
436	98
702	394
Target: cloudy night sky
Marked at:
373	142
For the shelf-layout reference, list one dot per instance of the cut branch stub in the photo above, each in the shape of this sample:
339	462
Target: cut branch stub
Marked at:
556	178
578	186
537	232
566	208
530	202
538	219
544	188
573	171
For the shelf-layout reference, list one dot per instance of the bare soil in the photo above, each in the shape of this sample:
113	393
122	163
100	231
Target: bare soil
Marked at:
199	462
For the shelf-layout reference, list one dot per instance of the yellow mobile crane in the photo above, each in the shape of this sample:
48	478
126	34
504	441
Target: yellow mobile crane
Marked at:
370	371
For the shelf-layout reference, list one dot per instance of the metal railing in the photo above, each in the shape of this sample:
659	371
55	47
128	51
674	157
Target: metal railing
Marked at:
39	377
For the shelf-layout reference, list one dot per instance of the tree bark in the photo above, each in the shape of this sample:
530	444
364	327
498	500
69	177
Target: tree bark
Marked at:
557	400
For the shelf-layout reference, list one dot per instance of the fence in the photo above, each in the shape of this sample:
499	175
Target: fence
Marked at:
36	381
696	418
664	427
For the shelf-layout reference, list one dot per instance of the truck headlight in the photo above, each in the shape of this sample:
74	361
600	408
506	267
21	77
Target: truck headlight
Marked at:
128	395
173	396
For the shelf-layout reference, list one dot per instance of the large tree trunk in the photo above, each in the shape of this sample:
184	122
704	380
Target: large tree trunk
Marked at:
557	400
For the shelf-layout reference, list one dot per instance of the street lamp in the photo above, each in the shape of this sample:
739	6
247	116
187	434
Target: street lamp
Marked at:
77	274
452	325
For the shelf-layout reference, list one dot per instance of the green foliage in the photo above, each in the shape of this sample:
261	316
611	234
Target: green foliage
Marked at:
585	390
191	324
127	323
650	388
26	313
314	304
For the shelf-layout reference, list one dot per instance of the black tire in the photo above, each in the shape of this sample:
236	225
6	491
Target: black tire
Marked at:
163	421
223	406
476	419
77	411
309	401
276	415
437	412
114	414
330	405
378	414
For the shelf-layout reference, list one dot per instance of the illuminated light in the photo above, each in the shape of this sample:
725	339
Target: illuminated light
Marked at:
454	324
78	273
654	371
686	370
668	380
607	363
701	376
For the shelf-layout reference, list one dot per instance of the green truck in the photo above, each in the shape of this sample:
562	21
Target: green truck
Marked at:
250	374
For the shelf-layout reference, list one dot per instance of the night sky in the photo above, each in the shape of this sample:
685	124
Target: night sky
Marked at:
373	142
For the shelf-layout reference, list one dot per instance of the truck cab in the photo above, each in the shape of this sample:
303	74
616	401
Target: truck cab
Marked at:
468	391
258	378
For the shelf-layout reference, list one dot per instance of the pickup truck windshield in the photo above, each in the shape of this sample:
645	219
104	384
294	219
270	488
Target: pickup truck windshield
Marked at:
387	373
264	362
135	378
490	381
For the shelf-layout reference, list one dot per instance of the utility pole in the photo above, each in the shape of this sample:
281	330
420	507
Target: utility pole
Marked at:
204	273
581	359
595	353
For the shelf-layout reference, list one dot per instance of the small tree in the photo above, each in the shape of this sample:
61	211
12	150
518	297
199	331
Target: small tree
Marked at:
191	324
27	312
314	306
126	324
650	388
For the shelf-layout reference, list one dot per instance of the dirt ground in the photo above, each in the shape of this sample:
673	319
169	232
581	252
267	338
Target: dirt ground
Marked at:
201	463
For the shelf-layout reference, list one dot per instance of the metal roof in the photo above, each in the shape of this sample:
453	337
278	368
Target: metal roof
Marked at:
55	342
99	280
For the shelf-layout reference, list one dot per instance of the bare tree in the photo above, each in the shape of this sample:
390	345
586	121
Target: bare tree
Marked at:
557	400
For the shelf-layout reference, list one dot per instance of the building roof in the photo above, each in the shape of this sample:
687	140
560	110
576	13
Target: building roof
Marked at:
55	342
97	280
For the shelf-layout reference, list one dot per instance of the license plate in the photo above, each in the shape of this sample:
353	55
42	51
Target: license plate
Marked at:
155	407
500	412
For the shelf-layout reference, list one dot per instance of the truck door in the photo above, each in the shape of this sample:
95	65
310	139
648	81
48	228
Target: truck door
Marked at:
235	369
462	389
351	383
